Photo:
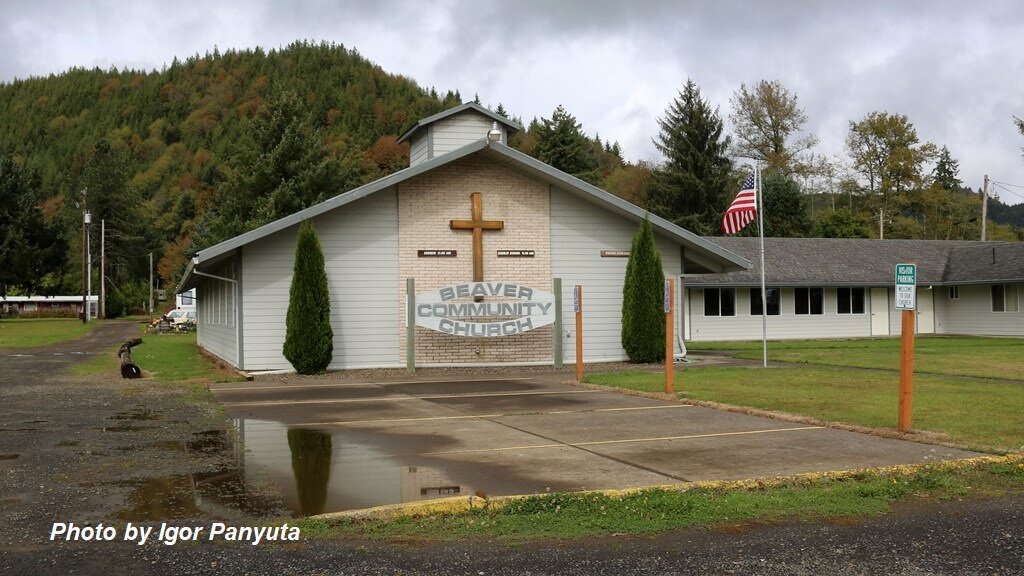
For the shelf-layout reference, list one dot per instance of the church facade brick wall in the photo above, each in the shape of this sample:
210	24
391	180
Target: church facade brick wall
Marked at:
426	205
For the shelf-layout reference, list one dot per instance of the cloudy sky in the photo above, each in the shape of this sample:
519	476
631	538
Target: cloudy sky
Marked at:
955	68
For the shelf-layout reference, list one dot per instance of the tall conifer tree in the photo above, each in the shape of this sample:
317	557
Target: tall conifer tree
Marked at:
694	184
309	339
643	300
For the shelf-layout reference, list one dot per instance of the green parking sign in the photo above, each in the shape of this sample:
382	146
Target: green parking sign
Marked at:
906	286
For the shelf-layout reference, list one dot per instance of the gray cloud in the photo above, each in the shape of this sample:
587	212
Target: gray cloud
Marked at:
953	69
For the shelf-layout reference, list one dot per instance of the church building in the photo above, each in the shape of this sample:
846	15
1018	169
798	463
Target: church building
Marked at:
489	243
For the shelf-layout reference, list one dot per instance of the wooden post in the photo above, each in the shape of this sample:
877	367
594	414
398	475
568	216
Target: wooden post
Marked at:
669	337
578	308
906	370
410	325
556	336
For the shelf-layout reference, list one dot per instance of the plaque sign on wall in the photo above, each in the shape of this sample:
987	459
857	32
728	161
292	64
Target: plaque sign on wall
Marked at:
614	253
516	253
437	253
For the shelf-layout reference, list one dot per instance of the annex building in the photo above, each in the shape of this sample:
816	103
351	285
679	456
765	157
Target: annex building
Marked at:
839	288
480	234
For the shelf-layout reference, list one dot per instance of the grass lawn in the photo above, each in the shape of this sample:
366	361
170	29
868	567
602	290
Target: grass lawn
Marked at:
581	514
29	333
1001	358
166	357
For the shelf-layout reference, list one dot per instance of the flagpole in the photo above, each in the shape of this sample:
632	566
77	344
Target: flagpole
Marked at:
764	292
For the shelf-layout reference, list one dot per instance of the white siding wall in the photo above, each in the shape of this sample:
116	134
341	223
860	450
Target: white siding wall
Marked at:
787	325
215	309
579	231
456	131
360	244
418	148
972	313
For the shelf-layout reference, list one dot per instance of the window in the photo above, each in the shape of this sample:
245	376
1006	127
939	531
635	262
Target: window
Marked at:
1004	298
809	300
774	300
186	298
849	300
954	292
719	301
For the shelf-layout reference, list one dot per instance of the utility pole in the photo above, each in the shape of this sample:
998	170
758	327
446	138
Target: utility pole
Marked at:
150	284
88	265
984	208
85	297
103	269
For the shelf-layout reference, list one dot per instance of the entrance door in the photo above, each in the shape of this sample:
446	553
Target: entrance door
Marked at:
925	311
879	311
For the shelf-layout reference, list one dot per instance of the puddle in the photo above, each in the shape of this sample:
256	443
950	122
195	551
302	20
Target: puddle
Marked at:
217	493
195	495
138	414
9	456
208	442
316	472
321	472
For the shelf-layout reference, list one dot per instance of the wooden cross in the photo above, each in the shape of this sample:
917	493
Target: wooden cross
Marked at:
477	225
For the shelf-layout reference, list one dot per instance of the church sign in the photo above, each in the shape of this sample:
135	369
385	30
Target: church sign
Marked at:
484	309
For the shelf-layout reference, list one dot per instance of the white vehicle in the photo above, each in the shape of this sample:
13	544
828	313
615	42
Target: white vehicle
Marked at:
181	316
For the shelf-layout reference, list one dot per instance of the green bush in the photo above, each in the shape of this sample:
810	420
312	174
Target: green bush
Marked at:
643	300
309	339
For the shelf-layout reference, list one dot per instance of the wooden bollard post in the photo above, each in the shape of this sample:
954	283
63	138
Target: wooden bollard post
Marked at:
669	337
577	306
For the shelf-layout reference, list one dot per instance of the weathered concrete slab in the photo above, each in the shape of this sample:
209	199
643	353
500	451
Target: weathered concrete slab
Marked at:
417	438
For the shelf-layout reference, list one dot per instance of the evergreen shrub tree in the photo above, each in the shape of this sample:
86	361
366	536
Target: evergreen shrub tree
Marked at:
309	340
643	300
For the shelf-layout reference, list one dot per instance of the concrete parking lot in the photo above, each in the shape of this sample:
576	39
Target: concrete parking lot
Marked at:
345	445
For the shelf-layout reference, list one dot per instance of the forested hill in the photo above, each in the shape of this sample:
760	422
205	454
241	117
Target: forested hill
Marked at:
175	137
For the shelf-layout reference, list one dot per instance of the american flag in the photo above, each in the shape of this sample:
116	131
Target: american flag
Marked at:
743	209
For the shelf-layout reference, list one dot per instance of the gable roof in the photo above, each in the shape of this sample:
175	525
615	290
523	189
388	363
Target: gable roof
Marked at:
510	125
716	258
863	262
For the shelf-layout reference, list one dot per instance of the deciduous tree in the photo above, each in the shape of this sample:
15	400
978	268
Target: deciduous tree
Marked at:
887	153
766	122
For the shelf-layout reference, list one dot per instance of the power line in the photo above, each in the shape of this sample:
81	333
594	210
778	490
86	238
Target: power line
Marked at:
1007	184
1005	189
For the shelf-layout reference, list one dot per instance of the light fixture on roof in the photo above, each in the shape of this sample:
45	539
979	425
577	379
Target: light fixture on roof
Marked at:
494	135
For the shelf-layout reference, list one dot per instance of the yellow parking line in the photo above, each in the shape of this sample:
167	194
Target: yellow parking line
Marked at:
432	418
404	398
354	384
694	436
631	440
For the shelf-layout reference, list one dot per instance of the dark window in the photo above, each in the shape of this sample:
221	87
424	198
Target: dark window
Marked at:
1004	298
809	300
954	292
773	301
719	301
850	300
